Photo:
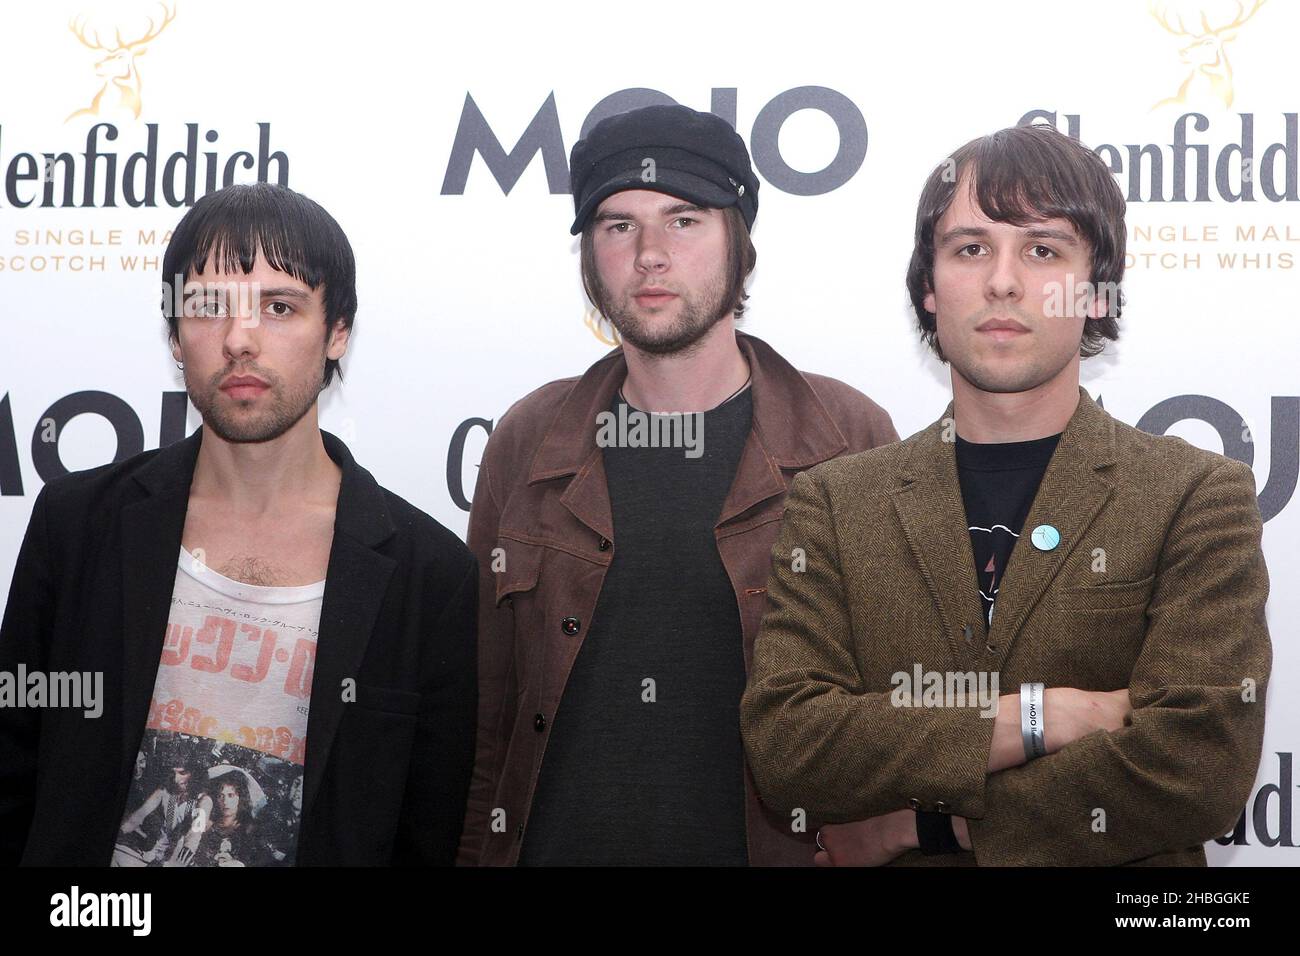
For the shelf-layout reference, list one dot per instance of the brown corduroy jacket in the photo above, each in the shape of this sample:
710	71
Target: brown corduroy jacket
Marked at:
542	530
1158	585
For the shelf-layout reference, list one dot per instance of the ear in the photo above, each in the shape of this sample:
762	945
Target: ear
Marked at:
337	345
1099	305
176	351
928	302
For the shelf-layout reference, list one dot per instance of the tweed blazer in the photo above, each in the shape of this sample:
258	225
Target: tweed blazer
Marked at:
1157	585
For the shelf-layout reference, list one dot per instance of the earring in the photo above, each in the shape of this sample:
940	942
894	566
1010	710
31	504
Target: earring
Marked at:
180	365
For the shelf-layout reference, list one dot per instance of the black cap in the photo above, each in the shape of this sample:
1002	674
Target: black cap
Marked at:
696	156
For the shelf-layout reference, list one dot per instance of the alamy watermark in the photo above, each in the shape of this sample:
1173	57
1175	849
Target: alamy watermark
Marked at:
922	688
632	428
76	689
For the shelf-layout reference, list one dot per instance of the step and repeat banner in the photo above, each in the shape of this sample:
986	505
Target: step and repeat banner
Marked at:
439	138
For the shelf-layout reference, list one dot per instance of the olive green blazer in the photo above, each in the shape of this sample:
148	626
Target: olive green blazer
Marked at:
1158	584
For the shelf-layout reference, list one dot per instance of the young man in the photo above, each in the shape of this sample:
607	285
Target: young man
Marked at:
254	600
1110	583
623	576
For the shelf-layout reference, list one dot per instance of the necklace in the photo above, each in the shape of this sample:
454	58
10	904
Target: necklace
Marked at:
622	398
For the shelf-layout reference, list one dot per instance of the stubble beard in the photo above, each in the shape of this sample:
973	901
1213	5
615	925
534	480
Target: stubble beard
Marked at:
697	315
228	418
986	378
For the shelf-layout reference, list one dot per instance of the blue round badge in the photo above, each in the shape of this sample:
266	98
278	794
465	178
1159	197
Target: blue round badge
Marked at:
1045	537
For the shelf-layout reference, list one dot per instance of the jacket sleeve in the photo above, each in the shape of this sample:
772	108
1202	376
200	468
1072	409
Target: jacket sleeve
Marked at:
815	737
442	754
497	687
24	635
1180	771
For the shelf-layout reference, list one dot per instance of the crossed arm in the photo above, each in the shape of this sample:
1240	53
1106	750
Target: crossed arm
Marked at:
1171	774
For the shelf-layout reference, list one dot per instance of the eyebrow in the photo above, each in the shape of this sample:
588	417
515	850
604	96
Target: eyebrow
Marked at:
286	292
1036	232
282	292
676	209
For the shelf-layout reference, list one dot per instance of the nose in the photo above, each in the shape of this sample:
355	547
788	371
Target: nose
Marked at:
241	327
651	252
1004	280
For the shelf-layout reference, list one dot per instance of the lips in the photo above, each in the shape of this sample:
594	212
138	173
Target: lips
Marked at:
654	296
244	386
1001	330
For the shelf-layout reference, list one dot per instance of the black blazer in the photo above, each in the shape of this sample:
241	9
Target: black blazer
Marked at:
385	777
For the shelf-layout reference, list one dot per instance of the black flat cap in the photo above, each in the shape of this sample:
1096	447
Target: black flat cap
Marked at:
669	149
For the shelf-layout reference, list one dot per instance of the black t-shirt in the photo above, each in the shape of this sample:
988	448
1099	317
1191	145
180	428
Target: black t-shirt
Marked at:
645	763
998	485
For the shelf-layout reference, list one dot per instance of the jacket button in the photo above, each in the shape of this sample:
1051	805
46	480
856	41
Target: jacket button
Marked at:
604	544
914	803
519	832
570	625
941	807
539	722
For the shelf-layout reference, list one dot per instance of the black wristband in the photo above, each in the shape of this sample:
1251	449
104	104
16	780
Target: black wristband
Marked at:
935	834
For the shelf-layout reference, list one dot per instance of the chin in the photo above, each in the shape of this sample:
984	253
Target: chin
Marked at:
1003	381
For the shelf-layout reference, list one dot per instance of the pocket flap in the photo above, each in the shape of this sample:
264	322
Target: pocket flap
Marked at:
520	564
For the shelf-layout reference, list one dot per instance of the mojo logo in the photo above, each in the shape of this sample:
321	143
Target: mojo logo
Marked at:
1284	452
1238	443
49	428
475	135
1258	811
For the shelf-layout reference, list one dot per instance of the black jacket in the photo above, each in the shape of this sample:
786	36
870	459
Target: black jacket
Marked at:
385	776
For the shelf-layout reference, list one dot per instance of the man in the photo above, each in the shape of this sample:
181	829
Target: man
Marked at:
251	595
1109	582
622	576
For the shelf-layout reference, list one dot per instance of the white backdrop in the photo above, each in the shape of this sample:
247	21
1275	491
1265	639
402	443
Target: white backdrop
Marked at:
469	295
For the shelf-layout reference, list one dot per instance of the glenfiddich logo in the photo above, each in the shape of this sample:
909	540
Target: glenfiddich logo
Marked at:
597	324
1209	77
117	72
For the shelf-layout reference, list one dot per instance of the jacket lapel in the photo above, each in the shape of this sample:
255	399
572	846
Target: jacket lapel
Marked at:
933	516
355	584
151	541
1073	490
791	429
930	509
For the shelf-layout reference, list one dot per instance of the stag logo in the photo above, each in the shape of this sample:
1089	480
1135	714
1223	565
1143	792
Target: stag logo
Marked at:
1210	74
117	69
596	325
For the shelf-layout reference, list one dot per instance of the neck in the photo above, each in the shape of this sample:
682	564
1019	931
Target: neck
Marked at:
695	380
255	478
1015	416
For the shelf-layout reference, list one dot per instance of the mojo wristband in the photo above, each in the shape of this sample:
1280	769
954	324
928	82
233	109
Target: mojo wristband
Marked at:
1031	720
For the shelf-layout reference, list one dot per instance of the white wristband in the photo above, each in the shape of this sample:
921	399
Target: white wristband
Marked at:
1031	720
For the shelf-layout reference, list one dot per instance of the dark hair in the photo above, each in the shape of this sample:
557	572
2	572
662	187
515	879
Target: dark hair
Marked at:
1022	175
191	765
741	258
296	236
235	779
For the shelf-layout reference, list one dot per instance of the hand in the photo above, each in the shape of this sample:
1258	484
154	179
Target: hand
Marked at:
184	856
871	842
961	831
1070	713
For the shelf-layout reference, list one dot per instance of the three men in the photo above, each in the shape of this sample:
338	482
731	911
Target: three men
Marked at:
289	645
623	523
1109	582
289	649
